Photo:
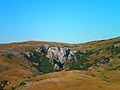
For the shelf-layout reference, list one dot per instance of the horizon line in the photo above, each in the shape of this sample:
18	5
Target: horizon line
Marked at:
48	41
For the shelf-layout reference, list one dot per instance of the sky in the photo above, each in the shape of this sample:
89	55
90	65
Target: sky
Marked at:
69	21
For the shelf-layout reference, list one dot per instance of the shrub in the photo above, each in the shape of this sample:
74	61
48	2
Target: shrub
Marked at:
44	64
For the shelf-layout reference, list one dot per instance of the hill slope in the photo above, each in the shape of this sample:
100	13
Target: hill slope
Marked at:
24	61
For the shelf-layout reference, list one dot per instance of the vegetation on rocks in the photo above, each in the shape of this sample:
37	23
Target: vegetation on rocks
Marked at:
41	62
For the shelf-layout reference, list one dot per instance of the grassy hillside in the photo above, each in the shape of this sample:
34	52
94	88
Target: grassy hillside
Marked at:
97	55
74	80
97	61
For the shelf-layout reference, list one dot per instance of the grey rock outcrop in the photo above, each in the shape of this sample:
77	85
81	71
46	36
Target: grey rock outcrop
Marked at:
42	49
58	56
29	54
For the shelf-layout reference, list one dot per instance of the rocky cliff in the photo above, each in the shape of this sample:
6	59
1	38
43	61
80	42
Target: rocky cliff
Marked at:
57	55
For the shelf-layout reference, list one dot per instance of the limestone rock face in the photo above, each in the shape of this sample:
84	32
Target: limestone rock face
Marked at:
58	56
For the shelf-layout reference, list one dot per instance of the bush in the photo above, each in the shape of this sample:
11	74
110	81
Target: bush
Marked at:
44	64
78	63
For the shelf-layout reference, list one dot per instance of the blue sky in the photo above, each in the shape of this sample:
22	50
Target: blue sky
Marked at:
70	21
